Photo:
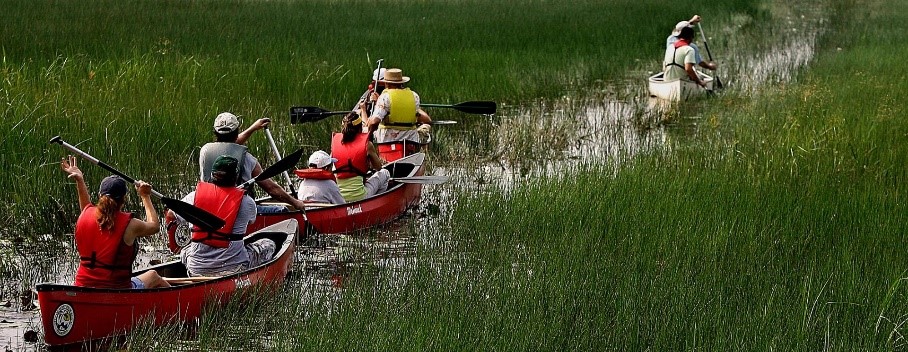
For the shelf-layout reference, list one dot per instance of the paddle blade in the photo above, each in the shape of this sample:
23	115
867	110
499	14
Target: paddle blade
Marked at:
304	114
195	215
470	107
280	166
425	180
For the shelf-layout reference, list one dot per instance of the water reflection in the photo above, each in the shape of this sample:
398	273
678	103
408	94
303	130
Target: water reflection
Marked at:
610	123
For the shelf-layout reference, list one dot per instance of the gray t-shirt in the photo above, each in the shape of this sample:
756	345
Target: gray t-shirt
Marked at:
202	259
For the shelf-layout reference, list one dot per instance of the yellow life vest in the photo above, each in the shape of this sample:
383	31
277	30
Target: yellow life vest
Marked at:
402	115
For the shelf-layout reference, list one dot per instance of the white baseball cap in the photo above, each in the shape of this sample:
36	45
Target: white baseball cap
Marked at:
378	73
680	26
226	123
321	159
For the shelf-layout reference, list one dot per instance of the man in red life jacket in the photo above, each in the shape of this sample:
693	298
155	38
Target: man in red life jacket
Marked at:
222	252
318	184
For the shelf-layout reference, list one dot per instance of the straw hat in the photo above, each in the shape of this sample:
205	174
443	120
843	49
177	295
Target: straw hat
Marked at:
394	75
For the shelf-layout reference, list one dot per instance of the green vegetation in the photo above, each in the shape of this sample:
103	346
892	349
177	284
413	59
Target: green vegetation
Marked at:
776	226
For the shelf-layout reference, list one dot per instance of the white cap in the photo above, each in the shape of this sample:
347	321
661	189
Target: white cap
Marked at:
680	26
226	123
376	74
321	159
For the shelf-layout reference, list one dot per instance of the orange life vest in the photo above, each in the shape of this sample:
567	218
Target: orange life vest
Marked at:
315	174
104	259
352	158
223	202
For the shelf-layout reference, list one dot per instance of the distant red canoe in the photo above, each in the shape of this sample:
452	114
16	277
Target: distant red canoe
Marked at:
376	210
74	315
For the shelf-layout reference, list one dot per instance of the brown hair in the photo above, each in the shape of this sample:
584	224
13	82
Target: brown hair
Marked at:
350	130
106	211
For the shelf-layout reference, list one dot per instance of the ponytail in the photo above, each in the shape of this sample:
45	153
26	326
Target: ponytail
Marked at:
349	130
106	211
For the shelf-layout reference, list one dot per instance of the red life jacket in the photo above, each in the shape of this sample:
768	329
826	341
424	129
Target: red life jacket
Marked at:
104	259
352	158
680	43
315	174
223	202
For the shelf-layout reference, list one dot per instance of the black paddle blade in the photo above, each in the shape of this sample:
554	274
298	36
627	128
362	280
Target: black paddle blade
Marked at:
304	114
280	166
195	215
477	107
470	107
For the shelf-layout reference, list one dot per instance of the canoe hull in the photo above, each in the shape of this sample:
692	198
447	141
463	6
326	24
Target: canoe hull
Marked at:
366	213
678	90
72	315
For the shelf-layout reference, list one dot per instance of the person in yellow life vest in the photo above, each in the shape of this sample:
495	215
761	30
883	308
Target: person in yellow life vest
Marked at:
397	115
222	252
317	182
356	156
106	236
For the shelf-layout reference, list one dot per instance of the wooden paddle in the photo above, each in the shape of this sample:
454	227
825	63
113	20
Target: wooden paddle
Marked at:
191	213
280	166
706	45
426	180
277	154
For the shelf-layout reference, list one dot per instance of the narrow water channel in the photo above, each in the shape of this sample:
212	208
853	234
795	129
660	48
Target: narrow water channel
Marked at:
614	121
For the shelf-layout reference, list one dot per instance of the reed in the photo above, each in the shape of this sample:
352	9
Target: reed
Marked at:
777	227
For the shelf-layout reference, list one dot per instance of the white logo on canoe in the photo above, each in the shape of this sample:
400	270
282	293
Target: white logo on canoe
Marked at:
356	209
242	282
182	236
64	317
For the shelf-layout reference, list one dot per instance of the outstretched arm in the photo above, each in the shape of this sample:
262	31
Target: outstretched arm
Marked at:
69	165
259	124
275	190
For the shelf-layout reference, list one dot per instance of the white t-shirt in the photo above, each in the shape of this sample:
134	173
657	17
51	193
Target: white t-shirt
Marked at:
681	56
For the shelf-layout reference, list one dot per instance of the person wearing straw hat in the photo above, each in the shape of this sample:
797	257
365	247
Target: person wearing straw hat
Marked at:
673	38
318	184
397	115
228	141
355	157
106	236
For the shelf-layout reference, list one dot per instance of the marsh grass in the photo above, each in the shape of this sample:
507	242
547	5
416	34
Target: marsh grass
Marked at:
773	223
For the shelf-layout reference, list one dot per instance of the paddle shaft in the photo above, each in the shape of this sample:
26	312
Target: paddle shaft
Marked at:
374	85
277	155
95	161
708	53
275	169
195	215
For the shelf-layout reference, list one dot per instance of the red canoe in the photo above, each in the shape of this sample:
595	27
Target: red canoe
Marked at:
376	210
74	315
391	151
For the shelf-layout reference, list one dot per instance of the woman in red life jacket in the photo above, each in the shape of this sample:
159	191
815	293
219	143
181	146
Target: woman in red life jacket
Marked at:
106	235
356	156
318	184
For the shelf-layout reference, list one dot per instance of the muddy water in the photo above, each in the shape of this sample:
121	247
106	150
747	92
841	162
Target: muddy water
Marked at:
611	122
